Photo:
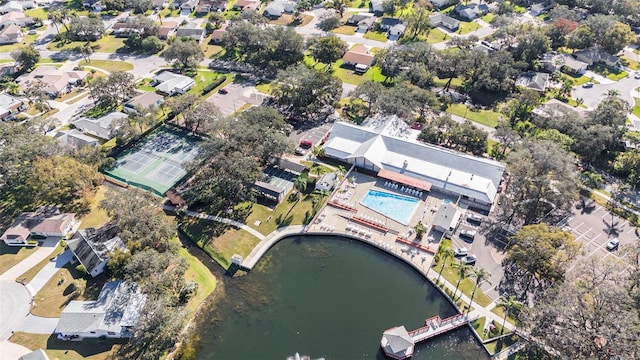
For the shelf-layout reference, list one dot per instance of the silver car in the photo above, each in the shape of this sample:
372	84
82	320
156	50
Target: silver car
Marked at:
468	233
469	259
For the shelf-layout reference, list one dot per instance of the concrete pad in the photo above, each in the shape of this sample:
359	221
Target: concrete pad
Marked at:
11	351
44	275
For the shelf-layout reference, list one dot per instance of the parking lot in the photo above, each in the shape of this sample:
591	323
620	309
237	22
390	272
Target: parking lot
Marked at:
236	97
314	134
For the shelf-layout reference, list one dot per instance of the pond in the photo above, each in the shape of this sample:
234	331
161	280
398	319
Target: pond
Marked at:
326	297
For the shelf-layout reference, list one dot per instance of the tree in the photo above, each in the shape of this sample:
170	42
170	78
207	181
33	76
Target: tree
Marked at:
370	92
419	22
627	165
543	251
86	50
139	6
86	29
185	52
26	57
306	90
202	116
581	38
420	230
37	97
445	253
510	305
328	49
113	89
328	22
479	275
42	125
340	6
463	270
617	37
542	178
531	46
152	45
179	104
300	183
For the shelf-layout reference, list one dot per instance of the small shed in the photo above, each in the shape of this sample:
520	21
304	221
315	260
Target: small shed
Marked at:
447	219
396	343
327	181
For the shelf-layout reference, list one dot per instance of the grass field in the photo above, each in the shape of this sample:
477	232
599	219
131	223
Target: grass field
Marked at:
107	43
286	213
28	39
489	17
202	276
37	12
609	73
347	75
636	108
264	88
455	83
485	117
204	78
467	27
31	273
12	255
579	80
376	35
502	343
55	296
144	85
344	30
466	285
287	20
109	65
436	36
89	349
97	216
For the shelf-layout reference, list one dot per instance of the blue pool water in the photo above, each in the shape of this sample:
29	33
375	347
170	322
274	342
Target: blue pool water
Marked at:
397	207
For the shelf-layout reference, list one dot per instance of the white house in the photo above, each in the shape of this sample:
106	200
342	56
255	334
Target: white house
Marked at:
279	7
170	84
445	21
15	18
327	181
10	106
91	247
45	222
11	34
387	143
113	315
102	127
447	219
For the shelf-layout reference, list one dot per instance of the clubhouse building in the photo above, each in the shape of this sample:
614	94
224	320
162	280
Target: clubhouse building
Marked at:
388	147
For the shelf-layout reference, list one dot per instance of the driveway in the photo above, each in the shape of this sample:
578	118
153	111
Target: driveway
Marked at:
237	96
48	271
15	302
10	350
20	268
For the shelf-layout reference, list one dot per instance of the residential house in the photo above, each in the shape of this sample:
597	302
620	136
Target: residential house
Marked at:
75	139
354	19
540	8
188	6
367	24
167	29
91	247
160	4
375	7
554	61
447	219
15	18
170	84
385	143
396	31
441	4
113	315
10	106
102	127
35	355
445	21
11	34
359	58
143	101
278	7
55	82
243	5
387	23
207	6
596	55
94	5
555	108
471	11
327	181
193	31
46	221
218	34
124	29
19	6
533	80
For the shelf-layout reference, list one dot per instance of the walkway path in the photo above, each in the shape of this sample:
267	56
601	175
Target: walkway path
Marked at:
267	242
22	267
233	223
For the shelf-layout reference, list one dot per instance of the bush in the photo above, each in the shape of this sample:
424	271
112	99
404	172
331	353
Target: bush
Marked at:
188	290
217	82
81	270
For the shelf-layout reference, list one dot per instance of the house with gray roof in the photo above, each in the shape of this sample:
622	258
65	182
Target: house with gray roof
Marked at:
17	6
375	6
11	34
554	61
278	7
102	127
471	11
35	355
143	101
440	4
596	55
191	30
397	343
75	139
379	146
533	80
445	21
447	219
91	247
112	315
170	84
10	106
46	221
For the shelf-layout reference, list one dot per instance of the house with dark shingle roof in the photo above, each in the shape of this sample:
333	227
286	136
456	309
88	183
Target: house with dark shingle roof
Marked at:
46	221
143	101
75	139
102	127
191	30
596	55
112	315
91	247
471	11
533	80
375	6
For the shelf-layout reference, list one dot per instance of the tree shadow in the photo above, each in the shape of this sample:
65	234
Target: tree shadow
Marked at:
586	206
86	347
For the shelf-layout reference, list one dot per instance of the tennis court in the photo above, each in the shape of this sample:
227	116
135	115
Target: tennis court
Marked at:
157	162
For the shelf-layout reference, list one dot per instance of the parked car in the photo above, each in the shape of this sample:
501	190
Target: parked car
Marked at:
637	75
613	244
469	259
587	85
223	91
468	233
474	217
31	32
303	147
463	251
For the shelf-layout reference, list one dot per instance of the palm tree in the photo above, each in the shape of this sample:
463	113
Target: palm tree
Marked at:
300	184
480	275
341	170
317	151
445	253
463	271
508	305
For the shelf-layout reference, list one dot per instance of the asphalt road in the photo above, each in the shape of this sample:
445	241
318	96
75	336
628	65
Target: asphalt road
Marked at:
237	96
593	96
15	302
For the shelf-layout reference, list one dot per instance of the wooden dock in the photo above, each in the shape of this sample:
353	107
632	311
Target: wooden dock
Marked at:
435	326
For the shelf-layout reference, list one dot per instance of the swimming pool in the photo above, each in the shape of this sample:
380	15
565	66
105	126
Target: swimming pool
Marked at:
397	207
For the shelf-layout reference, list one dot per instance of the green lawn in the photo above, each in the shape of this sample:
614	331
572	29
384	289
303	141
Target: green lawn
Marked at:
455	83
38	12
88	349
344	30
204	78
579	80
346	75
466	285
489	17
467	27
11	255
264	88
609	73
519	9
502	343
636	108
31	273
485	117
109	65
376	35
630	63
436	36
144	85
28	39
107	43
